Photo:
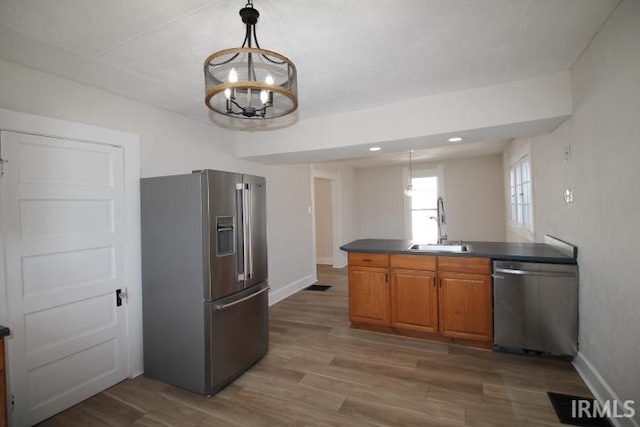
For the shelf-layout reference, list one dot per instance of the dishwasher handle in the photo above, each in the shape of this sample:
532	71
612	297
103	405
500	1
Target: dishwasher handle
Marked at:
532	273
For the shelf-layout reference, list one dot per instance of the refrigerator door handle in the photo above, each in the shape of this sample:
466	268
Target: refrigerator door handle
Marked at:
219	307
249	230
242	213
246	232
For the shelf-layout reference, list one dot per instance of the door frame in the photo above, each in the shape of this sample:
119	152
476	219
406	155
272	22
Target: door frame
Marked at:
339	257
19	122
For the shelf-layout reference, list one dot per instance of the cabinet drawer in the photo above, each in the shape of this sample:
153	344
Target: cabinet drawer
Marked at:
413	262
368	260
464	265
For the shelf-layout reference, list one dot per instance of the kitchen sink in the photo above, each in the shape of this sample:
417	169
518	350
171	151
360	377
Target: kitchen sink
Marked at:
460	248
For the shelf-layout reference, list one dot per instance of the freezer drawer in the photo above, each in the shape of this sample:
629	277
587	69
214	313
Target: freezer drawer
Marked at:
536	307
238	335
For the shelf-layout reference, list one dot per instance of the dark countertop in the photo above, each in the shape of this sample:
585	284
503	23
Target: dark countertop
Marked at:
505	251
4	331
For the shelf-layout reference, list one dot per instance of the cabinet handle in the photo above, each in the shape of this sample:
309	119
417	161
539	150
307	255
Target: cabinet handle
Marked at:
386	277
367	260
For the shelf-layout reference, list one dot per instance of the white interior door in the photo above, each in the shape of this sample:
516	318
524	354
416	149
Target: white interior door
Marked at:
63	226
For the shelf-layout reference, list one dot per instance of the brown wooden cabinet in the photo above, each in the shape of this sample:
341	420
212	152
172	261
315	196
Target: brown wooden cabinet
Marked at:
3	387
465	306
369	294
439	297
414	300
465	298
414	296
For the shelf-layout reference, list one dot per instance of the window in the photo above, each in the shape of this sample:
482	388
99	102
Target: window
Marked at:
420	210
424	205
520	191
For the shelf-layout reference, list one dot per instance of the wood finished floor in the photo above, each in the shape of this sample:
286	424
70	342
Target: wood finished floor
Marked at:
318	372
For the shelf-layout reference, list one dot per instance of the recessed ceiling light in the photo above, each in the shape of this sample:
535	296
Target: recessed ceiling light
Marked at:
375	149
455	139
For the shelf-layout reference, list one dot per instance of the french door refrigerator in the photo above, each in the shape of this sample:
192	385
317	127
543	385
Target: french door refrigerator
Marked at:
204	277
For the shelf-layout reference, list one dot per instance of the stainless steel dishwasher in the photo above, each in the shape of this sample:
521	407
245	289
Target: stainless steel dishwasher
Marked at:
535	308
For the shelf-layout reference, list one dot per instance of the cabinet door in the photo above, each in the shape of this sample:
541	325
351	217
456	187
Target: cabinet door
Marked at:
414	300
369	295
466	307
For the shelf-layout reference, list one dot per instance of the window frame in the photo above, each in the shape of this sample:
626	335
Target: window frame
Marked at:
424	172
520	194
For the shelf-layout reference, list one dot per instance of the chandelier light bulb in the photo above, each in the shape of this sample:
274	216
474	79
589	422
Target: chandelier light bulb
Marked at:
233	76
227	93
264	96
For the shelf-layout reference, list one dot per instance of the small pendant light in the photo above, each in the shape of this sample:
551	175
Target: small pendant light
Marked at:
409	190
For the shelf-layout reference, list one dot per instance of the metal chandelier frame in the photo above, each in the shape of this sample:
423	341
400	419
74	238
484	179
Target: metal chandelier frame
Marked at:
250	82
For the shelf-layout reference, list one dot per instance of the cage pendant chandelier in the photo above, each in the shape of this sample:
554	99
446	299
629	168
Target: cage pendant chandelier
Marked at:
249	82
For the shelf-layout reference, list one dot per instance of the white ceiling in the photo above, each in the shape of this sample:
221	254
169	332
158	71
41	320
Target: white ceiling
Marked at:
350	55
433	154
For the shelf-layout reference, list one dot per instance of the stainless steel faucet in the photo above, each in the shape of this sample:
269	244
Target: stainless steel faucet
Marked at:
442	222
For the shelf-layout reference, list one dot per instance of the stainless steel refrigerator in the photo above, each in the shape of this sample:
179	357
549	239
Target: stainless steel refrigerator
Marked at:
204	277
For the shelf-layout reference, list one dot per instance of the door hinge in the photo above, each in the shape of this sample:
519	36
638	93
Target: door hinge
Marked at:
12	402
2	163
120	295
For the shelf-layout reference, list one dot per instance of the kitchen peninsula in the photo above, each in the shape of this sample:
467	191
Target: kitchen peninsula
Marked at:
441	292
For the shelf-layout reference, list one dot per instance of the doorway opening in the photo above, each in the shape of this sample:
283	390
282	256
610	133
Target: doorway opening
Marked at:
324	221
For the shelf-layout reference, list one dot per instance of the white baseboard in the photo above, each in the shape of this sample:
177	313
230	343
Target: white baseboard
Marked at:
279	294
601	390
340	260
324	260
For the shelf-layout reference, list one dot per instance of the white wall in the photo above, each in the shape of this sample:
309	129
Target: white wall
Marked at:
473	198
324	221
291	263
348	216
604	135
169	143
173	144
379	203
497	110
